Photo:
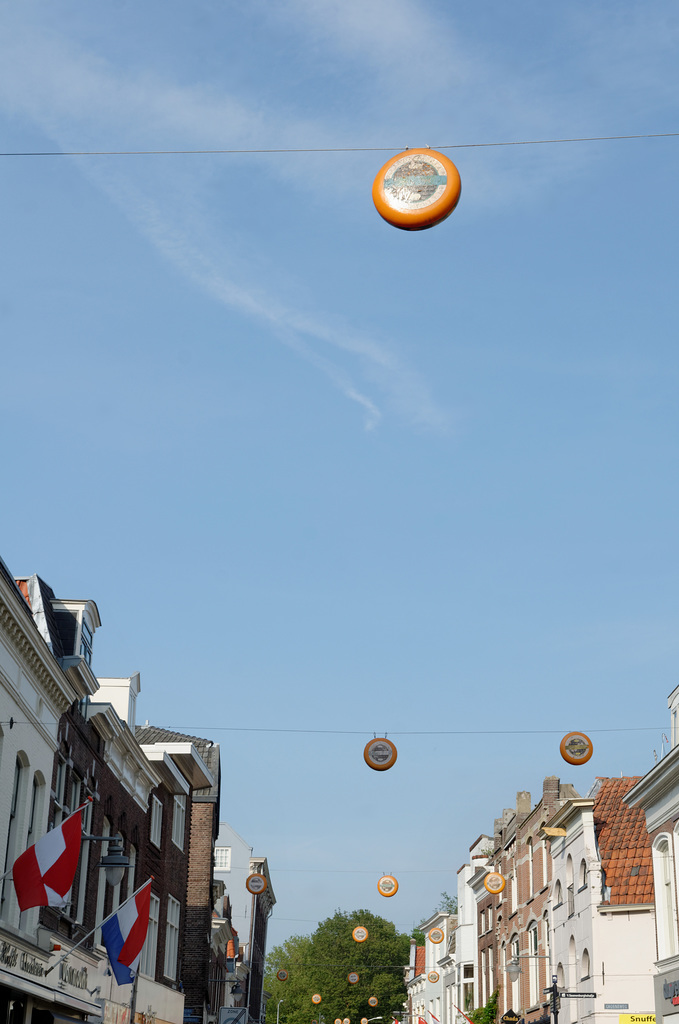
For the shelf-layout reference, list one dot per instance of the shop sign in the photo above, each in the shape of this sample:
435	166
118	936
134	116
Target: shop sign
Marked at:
11	956
77	977
115	1013
636	1018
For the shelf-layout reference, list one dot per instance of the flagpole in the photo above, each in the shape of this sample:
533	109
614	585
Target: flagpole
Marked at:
133	998
100	925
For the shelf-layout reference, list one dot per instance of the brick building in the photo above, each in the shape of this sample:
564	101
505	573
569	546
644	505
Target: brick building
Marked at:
514	925
203	822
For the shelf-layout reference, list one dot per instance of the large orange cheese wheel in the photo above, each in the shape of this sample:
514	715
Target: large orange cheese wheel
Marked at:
417	189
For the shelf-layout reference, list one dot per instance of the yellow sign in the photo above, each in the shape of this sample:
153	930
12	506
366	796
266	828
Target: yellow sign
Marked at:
636	1018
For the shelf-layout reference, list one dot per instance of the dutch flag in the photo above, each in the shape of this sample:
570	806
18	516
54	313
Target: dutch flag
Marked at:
124	934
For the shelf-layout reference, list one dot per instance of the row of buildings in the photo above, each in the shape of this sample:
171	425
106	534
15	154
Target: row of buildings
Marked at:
152	796
589	909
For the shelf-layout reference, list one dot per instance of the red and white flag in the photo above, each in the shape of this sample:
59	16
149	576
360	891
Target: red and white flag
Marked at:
44	873
433	1017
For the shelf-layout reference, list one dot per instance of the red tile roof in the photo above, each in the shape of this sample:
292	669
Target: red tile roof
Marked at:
420	961
624	844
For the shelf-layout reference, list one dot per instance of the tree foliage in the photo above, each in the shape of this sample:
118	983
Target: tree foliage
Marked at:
320	963
486	1014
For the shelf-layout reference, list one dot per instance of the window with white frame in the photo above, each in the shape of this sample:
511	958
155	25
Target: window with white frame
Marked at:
584	972
583	875
179	821
558	893
531	865
533	964
147	962
544	863
12	848
223	858
514	949
172	938
84	864
513	895
60	790
132	854
156	821
663	876
101	884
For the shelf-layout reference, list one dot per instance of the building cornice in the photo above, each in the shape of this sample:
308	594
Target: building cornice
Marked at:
34	652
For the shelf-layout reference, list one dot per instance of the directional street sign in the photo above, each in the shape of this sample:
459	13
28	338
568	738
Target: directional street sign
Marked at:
577	995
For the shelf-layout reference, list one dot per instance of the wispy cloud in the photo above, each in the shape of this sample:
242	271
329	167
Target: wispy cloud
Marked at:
79	100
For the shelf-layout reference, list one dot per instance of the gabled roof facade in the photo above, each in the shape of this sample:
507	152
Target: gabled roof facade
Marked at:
624	844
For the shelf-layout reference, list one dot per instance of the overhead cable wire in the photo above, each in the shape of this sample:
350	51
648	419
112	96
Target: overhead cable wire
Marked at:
334	149
401	732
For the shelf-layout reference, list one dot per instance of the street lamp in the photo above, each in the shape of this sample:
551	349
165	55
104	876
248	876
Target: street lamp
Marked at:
278	1011
115	862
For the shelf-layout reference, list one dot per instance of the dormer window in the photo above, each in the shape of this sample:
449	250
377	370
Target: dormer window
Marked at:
86	637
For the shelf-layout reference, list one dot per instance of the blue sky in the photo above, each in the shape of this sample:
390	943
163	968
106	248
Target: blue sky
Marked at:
321	474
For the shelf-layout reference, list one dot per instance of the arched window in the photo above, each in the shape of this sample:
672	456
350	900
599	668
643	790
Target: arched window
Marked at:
569	886
531	866
584	970
544	863
16	813
663	877
583	874
558	893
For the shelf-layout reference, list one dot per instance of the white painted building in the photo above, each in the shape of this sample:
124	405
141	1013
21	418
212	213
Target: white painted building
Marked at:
460	983
602	935
426	987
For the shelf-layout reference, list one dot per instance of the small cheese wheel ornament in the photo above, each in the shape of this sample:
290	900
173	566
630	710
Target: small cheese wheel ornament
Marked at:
387	886
359	934
316	998
352	977
256	884
364	1020
338	1020
282	975
436	936
576	748
373	1001
380	754
433	977
494	882
417	189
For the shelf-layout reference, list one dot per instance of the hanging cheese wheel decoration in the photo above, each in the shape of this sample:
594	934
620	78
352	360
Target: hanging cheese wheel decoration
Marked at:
433	977
387	886
373	1001
364	1020
494	882
352	977
436	936
417	189
359	934
316	998
576	748
380	754
282	975
256	884
338	1020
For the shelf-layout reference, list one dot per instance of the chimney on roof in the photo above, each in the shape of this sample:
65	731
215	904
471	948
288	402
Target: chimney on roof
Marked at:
523	804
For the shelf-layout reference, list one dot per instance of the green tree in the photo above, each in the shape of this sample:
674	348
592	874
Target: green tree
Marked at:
486	1014
447	904
320	963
